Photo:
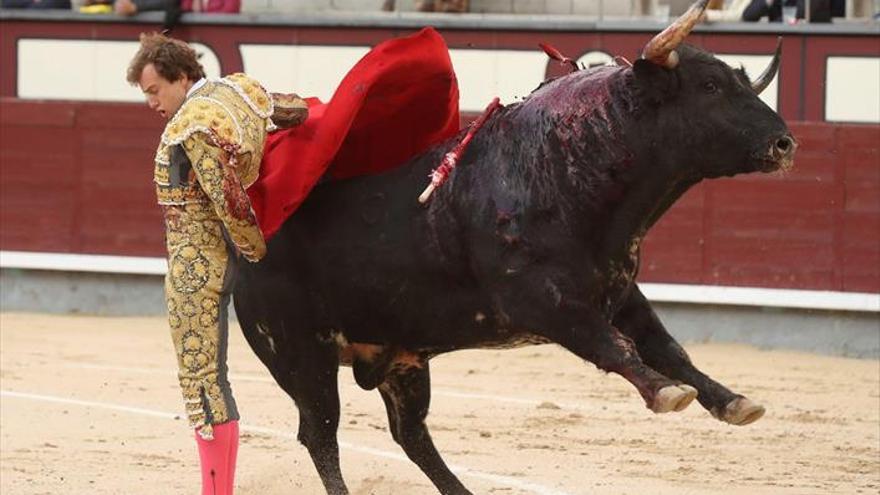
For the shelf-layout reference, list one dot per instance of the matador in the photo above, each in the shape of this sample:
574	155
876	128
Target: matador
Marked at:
208	155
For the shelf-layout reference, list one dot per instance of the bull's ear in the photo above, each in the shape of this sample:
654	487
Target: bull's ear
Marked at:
655	84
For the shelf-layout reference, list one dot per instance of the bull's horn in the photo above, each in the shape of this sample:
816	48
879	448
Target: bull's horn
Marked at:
761	83
661	49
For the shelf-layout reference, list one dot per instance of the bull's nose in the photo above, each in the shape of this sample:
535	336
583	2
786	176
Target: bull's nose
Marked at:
784	147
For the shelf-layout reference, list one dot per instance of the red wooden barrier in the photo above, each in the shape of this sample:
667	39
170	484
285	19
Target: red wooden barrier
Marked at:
77	178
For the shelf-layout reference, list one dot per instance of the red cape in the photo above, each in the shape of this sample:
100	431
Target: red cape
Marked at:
395	102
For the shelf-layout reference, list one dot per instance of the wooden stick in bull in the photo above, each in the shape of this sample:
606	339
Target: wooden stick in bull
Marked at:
450	159
555	54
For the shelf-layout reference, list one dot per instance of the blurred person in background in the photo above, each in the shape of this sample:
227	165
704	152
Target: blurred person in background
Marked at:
35	4
208	154
755	10
821	10
132	7
433	5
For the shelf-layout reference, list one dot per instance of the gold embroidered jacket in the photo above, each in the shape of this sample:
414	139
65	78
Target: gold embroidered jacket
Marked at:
222	128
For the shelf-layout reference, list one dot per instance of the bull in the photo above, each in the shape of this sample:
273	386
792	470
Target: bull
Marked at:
534	239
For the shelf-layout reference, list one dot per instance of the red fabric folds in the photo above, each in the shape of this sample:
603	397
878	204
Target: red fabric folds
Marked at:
395	102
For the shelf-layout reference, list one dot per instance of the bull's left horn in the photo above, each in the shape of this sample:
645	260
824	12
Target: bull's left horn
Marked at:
761	83
661	49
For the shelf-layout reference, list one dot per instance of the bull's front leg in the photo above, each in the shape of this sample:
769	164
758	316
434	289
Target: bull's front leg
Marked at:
660	350
548	303
610	350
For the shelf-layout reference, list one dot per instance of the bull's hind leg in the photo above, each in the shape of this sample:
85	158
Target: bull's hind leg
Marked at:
311	380
407	395
660	351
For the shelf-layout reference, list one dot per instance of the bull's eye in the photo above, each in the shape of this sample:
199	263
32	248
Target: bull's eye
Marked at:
710	87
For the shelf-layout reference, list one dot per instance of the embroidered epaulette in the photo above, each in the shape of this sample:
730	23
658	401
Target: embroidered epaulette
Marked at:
251	92
203	114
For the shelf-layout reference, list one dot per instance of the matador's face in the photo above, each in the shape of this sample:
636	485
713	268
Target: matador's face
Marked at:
162	95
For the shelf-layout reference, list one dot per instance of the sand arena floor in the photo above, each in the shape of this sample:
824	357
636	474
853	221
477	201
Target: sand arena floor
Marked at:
89	406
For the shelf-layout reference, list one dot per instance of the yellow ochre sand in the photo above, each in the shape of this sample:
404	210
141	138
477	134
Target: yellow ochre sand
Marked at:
533	420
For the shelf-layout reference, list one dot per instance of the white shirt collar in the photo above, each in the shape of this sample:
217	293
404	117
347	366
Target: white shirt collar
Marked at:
198	84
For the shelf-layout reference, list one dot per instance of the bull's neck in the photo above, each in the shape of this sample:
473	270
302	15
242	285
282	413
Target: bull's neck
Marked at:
633	176
647	195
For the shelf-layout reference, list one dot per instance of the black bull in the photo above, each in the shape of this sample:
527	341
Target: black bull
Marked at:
534	239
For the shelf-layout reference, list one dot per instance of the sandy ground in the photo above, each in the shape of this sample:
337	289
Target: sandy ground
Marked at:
89	405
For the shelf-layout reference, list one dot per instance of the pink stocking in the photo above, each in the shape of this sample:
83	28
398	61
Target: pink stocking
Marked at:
217	458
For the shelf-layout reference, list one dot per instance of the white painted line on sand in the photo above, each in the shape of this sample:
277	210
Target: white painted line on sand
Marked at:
457	469
88	403
460	470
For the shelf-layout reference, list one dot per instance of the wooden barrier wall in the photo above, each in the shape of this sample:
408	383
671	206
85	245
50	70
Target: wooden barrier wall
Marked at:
77	178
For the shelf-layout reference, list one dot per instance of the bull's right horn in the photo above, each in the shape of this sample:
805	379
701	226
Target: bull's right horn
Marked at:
661	49
761	83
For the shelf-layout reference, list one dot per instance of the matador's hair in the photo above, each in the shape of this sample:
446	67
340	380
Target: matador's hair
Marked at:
172	59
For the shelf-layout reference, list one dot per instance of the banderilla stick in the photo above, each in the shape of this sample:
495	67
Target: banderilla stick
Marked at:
450	159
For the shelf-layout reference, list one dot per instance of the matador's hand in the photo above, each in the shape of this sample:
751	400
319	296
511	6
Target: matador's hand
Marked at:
250	256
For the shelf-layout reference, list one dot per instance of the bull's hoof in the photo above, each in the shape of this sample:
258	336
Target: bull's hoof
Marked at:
740	411
673	398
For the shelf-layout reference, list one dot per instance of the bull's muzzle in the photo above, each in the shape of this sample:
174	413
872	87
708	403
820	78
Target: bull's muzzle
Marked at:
780	156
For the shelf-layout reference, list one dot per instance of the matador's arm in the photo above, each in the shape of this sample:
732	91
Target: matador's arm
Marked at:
220	182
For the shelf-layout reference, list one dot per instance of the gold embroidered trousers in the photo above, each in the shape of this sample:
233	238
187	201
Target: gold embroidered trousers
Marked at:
201	266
